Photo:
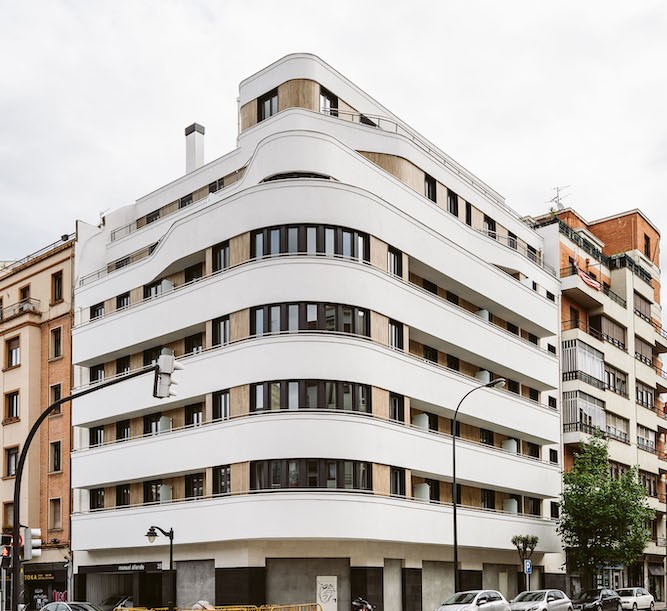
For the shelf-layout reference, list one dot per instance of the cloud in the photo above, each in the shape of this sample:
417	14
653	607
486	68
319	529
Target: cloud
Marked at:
526	95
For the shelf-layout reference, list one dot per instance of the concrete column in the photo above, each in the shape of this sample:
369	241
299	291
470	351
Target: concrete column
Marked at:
392	585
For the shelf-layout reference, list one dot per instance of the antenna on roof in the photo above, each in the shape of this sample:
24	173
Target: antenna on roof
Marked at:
557	200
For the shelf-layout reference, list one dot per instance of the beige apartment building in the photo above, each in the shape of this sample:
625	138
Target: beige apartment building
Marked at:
35	344
611	341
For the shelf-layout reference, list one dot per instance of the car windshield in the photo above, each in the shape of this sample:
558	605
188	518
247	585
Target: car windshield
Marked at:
83	607
626	592
526	597
588	595
460	598
112	601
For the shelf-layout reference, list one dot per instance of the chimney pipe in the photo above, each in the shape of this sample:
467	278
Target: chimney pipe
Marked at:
194	147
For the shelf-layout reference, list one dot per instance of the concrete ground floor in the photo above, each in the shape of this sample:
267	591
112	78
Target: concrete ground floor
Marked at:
393	577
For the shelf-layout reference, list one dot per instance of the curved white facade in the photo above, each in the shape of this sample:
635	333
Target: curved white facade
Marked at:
447	308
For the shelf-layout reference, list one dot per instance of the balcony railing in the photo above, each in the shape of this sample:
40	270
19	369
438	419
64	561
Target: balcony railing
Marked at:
609	432
659	330
13	265
390	125
647	360
24	306
137	255
317	411
171	208
328	491
584	377
361	338
653	363
355	260
573	271
623	260
567	325
647	447
612	262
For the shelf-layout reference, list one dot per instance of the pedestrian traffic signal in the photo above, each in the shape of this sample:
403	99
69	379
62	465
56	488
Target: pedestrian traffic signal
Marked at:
6	551
166	365
32	543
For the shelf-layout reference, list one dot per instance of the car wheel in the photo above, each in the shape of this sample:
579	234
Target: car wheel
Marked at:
619	608
634	607
652	606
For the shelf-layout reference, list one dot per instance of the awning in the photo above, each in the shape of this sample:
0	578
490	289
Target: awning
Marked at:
657	570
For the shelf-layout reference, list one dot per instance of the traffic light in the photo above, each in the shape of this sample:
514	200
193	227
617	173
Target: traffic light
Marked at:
166	365
32	543
6	551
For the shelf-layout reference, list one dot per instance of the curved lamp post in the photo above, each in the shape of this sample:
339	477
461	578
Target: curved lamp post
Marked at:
498	383
152	535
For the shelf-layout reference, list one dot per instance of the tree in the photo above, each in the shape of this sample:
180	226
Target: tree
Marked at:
525	545
603	520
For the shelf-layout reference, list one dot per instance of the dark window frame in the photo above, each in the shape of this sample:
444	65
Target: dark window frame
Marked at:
452	203
222	479
332	99
264	112
221	256
194	485
397	481
57	287
96	498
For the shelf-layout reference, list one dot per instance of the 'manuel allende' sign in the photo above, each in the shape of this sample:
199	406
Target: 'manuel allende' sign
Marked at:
132	567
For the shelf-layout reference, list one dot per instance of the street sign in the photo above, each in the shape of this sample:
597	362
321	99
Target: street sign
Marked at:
527	566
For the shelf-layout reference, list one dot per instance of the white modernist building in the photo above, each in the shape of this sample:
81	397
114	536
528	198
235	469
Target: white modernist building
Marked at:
334	286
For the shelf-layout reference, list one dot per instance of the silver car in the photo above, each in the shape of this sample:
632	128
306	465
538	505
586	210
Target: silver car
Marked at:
475	600
541	600
70	606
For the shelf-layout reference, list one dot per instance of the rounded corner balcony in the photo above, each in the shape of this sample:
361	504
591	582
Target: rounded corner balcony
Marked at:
420	231
302	433
307	515
322	355
407	144
317	278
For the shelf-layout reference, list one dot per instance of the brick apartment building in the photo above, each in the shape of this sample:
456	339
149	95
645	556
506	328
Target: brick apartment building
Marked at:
35	343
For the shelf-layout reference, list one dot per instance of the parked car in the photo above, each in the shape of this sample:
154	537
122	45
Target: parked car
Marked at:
117	601
541	600
636	598
601	599
70	606
474	600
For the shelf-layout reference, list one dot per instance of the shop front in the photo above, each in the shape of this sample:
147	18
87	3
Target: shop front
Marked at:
44	583
145	582
656	580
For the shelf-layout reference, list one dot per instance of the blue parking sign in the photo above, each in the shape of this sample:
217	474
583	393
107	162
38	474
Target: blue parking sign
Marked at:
527	567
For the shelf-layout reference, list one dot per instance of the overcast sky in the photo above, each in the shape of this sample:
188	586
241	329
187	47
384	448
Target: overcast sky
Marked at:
528	95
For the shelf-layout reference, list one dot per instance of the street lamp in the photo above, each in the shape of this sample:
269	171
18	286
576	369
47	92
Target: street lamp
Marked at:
151	535
497	383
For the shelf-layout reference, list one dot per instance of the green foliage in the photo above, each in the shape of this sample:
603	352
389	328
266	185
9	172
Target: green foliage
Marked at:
525	545
603	520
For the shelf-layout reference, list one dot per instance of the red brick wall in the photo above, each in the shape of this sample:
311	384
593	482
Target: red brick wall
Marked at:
56	428
627	233
572	219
